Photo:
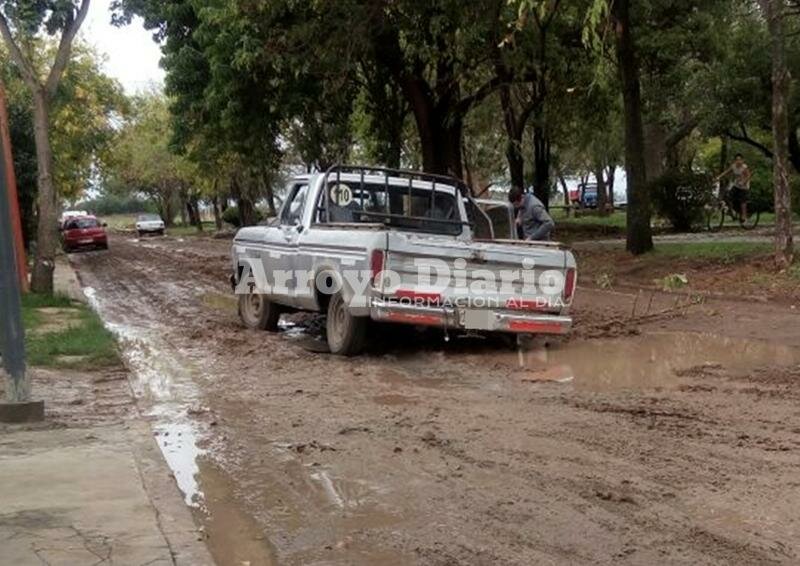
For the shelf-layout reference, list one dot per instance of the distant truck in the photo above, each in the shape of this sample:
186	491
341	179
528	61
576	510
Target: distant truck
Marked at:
393	227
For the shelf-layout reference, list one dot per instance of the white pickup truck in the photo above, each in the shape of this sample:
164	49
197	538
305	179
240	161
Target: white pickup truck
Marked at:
367	243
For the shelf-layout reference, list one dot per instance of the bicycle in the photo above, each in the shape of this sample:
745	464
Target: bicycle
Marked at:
723	206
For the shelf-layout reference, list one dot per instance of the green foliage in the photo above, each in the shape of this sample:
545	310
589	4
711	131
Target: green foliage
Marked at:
108	204
722	252
682	198
231	216
142	162
82	126
82	342
672	281
86	109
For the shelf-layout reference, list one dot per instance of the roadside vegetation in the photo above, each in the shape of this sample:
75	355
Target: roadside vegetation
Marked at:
535	93
731	269
63	333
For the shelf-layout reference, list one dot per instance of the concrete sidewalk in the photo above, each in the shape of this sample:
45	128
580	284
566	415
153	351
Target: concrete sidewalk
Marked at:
100	495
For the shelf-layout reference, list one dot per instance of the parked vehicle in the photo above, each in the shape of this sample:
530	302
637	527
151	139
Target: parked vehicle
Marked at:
149	224
84	232
69	214
588	195
391	225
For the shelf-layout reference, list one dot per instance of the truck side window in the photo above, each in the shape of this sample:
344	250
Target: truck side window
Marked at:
293	210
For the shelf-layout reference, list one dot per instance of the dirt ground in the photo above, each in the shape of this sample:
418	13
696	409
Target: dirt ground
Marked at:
752	277
666	430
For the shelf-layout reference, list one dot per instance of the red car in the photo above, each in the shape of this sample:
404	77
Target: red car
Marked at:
84	232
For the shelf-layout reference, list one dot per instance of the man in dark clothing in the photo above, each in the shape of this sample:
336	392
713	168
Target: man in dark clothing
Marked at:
532	218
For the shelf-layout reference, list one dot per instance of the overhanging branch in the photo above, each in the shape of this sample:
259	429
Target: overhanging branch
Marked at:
16	54
64	49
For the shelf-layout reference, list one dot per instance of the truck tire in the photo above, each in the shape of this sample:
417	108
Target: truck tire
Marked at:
346	333
258	312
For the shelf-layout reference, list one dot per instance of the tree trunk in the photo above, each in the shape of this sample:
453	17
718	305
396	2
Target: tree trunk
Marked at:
269	190
247	212
639	232
723	153
217	214
784	245
440	132
47	230
655	149
193	208
794	148
167	211
541	164
602	195
611	175
516	161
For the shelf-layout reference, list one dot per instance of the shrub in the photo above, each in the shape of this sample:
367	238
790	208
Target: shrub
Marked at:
762	195
682	197
231	216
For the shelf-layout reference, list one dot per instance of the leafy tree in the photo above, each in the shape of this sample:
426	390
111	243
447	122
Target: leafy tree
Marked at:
21	22
85	108
142	161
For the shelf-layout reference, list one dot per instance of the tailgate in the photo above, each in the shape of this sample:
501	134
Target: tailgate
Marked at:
475	275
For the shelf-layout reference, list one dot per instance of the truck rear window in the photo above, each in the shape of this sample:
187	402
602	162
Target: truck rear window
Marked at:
397	205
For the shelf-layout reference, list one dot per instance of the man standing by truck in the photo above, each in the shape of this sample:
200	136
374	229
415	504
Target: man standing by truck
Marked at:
533	221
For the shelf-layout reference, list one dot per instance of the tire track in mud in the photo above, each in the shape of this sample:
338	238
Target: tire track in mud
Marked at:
435	455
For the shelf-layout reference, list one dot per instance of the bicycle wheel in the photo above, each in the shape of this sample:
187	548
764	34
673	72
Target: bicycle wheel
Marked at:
752	221
715	218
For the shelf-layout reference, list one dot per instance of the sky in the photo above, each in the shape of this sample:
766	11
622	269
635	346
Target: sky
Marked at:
131	54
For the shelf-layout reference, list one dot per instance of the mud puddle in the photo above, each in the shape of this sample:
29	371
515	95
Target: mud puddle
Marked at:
645	361
166	380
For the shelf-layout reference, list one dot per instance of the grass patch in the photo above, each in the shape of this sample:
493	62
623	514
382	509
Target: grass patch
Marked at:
85	343
189	230
617	219
725	252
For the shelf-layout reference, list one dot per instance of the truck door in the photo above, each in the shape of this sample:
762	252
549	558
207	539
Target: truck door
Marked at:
291	226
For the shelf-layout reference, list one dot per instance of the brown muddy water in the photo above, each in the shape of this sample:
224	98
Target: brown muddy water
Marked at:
645	361
166	382
168	377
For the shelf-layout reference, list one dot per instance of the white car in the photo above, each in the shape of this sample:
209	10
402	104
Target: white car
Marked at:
149	224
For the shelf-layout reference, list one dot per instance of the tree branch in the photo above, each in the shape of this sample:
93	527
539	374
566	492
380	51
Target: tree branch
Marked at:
64	49
683	130
28	74
485	90
744	138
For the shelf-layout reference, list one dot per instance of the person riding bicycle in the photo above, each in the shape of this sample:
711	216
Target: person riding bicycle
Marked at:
740	185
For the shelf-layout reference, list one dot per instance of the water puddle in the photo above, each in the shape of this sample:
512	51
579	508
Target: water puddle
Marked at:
164	386
164	379
645	361
178	443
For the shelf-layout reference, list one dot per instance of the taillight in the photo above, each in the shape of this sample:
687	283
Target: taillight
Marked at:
376	265
569	284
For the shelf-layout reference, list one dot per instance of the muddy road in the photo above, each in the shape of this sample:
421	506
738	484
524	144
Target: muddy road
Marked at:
664	432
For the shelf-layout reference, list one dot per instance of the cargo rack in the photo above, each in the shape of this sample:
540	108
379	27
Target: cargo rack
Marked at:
387	173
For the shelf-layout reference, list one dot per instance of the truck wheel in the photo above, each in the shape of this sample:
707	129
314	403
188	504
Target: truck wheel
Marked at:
258	312
346	333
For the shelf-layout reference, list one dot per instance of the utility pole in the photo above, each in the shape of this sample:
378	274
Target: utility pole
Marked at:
13	197
19	407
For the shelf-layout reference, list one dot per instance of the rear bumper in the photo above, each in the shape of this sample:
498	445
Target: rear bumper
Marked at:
451	317
85	243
